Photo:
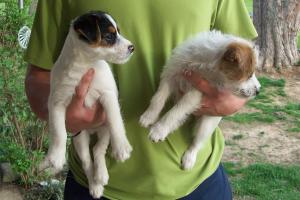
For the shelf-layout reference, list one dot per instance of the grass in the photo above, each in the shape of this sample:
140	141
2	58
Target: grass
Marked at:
237	137
268	109
263	181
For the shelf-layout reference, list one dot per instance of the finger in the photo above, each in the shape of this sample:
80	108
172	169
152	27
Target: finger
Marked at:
84	84
205	111
200	83
207	108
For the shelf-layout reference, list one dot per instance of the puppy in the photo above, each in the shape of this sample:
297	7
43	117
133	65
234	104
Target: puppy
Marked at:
226	61
92	41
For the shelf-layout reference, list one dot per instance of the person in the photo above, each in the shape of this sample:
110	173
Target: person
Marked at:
155	27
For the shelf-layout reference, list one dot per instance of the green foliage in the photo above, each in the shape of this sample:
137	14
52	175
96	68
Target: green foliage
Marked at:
12	19
22	135
23	160
269	111
265	181
50	192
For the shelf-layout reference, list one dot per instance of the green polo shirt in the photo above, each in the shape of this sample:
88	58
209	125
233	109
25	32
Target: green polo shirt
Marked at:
155	27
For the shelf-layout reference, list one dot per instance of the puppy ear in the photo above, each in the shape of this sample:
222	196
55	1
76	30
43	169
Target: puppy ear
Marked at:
232	54
238	61
87	28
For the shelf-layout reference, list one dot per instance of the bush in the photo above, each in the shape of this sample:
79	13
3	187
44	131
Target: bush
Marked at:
22	134
49	192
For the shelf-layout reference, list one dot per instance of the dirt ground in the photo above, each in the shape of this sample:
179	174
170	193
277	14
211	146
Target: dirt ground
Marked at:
10	192
262	142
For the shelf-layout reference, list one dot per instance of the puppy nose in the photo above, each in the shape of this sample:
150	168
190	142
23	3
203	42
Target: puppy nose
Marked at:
131	48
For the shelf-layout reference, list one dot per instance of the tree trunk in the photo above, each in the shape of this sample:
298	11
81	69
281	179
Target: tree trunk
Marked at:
277	23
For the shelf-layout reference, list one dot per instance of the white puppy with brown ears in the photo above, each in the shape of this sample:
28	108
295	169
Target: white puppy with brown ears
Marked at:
92	41
226	61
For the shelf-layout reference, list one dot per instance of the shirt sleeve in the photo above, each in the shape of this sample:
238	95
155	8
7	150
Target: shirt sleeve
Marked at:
232	17
48	34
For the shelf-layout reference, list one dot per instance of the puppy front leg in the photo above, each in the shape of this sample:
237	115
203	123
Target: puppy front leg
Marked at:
121	148
157	103
205	126
188	103
55	158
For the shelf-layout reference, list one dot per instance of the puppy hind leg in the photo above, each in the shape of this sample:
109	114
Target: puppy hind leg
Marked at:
188	103
157	103
121	148
205	126
99	151
81	145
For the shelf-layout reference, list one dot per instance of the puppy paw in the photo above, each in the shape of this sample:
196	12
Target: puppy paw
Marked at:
53	163
188	160
121	151
158	133
96	190
147	119
101	176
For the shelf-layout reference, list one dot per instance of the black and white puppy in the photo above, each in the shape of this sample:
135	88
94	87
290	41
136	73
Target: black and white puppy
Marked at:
93	40
226	61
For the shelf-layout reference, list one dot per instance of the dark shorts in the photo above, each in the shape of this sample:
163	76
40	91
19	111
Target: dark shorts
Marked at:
215	187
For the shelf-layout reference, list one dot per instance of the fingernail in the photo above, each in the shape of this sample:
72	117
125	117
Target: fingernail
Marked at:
187	72
91	72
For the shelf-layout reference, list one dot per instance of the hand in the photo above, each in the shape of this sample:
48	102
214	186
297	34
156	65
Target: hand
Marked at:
79	117
215	102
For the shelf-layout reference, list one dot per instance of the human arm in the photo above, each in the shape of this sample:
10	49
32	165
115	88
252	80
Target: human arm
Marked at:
78	117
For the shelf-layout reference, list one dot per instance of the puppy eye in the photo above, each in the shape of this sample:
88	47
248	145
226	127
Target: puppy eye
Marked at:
108	37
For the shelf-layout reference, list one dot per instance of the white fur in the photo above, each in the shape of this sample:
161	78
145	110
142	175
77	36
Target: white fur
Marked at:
75	60
202	54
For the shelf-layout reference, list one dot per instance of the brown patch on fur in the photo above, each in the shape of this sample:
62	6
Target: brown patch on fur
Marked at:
103	43
97	43
80	32
238	62
112	29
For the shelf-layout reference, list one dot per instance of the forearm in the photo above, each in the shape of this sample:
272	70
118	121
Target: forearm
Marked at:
37	88
78	117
